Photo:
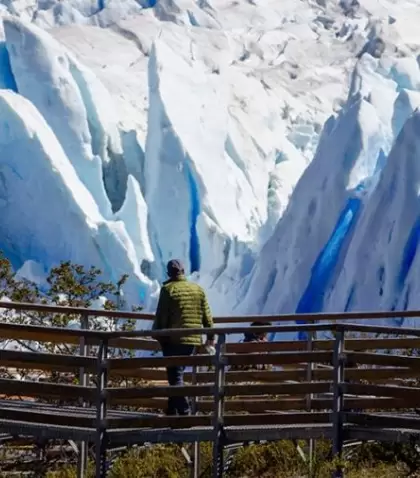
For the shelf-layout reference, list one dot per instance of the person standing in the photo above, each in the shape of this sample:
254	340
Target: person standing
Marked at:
252	337
182	304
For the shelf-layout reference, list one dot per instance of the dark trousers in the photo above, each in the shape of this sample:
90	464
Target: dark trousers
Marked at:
177	405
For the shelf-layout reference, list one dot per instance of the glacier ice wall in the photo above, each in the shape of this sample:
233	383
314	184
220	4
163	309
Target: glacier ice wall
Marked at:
252	140
78	108
315	207
352	246
58	217
380	266
200	142
185	163
42	71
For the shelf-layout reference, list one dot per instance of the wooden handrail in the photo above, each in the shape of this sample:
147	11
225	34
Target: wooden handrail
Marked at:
369	358
308	327
150	362
230	420
28	388
152	345
382	390
65	335
269	404
56	309
208	390
380	329
173	333
69	336
61	309
297	374
278	358
351	344
318	317
53	361
43	333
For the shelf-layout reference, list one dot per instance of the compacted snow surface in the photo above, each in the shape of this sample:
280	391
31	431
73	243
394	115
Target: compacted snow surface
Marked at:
273	146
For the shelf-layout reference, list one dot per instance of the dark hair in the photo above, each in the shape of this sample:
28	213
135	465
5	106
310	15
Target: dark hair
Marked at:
174	268
251	336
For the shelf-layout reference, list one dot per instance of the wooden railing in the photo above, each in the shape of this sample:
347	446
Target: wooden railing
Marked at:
351	385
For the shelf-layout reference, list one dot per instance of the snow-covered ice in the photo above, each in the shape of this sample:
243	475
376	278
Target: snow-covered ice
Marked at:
271	146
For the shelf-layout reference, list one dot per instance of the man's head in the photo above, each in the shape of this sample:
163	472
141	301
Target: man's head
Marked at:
174	268
253	337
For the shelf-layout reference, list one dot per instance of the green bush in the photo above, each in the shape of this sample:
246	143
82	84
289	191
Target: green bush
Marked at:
266	461
273	460
160	461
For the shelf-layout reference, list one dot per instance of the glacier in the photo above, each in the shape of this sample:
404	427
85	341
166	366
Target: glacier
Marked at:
271	146
34	169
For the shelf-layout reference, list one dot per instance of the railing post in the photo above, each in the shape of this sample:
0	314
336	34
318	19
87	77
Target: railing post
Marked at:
338	400
101	438
83	446
218	414
195	469
309	397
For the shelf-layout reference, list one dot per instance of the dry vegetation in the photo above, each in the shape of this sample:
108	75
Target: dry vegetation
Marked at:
275	460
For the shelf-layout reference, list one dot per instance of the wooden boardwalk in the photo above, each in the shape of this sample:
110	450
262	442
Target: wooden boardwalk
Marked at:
346	382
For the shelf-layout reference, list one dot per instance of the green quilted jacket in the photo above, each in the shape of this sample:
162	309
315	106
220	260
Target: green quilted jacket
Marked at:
183	304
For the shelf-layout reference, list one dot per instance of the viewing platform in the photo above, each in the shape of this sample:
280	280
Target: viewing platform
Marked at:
346	381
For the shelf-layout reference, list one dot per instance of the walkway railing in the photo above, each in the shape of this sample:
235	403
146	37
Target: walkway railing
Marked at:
359	387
